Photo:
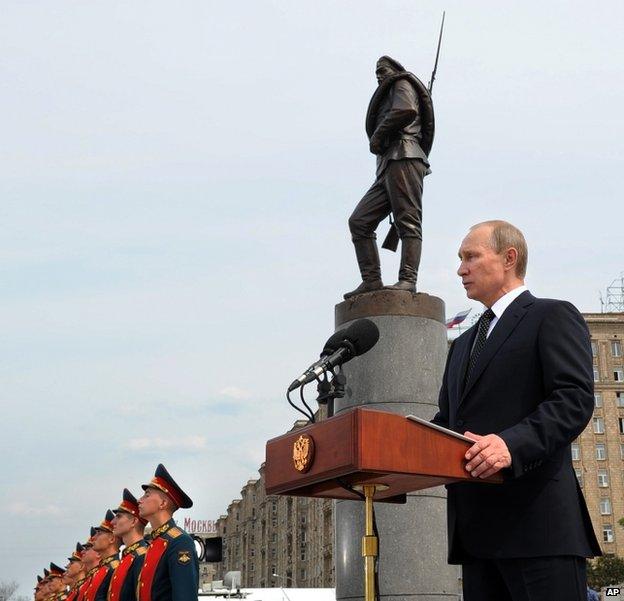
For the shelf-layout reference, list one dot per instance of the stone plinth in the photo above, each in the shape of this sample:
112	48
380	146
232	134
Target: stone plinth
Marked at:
402	373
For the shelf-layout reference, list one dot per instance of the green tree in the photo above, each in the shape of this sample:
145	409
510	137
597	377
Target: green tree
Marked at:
605	571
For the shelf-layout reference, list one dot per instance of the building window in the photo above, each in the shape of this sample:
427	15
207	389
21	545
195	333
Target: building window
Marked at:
576	451
252	552
273	553
607	533
579	476
303	555
621	424
598	399
622	451
619	399
618	375
594	346
603	478
274	537
601	452
302	574
596	374
605	506
598	425
616	348
303	519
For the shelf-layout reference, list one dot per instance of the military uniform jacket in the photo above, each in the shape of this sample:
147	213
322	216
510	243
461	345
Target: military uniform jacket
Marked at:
170	570
73	593
124	580
98	588
84	587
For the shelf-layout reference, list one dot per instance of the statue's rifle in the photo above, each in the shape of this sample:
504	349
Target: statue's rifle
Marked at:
435	66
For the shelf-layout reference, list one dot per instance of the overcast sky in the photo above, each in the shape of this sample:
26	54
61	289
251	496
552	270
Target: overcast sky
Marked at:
176	180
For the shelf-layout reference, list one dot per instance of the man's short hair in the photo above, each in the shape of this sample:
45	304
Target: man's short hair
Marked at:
505	236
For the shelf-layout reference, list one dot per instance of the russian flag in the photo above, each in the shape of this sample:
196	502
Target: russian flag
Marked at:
457	319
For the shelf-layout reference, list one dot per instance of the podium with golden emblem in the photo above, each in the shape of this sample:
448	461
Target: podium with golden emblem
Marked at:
365	454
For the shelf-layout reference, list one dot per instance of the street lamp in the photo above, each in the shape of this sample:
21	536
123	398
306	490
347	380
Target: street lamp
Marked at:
284	577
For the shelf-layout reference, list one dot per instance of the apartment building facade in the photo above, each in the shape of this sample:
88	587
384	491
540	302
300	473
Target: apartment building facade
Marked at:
598	453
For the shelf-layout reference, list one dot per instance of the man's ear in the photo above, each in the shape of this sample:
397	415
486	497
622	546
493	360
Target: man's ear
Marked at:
511	258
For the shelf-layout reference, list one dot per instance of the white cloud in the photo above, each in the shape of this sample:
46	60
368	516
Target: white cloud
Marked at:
186	443
23	509
233	392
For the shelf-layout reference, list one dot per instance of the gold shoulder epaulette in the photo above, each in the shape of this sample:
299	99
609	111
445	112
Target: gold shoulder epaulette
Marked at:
174	532
114	564
141	551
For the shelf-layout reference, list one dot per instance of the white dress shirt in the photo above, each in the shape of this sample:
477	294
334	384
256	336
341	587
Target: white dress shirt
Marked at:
502	303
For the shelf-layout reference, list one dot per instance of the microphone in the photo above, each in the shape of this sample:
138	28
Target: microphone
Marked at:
357	339
332	344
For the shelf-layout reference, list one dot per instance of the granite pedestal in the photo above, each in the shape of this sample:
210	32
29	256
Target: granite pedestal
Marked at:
402	373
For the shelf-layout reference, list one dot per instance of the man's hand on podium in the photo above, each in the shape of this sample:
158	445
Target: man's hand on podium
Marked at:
487	456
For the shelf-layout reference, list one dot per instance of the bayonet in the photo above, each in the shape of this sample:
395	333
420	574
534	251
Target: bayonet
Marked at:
435	66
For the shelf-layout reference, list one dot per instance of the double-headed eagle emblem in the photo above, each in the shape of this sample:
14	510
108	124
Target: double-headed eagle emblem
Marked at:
303	453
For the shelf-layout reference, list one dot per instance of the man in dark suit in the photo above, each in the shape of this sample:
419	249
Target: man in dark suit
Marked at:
520	384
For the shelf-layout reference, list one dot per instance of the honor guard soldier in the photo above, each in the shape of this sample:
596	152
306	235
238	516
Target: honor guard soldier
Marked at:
75	574
39	589
129	526
106	544
57	590
38	595
44	588
170	570
90	563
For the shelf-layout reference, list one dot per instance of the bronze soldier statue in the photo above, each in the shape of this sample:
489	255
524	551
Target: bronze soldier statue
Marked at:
400	128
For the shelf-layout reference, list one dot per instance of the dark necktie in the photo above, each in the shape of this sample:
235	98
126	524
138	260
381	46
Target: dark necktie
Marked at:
484	325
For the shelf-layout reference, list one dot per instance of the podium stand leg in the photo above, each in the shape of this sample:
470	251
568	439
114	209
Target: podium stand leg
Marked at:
369	545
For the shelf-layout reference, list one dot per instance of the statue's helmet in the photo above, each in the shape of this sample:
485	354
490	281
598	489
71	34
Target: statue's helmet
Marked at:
394	64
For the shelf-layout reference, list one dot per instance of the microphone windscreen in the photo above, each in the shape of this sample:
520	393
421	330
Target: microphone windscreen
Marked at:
363	334
333	342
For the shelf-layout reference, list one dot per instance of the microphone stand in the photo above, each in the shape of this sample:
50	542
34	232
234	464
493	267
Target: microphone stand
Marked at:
329	391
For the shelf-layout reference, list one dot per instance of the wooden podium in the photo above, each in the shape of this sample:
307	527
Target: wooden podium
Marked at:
365	454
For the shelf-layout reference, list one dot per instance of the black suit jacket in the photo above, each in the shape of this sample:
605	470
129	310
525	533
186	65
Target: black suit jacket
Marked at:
533	386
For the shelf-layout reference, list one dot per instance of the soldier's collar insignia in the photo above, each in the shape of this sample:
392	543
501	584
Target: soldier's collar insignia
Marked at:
131	548
161	530
92	571
108	560
184	557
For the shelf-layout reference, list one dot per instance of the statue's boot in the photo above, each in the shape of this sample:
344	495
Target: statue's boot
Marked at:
410	260
370	269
